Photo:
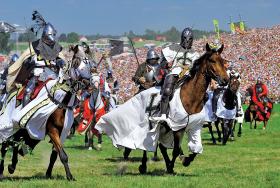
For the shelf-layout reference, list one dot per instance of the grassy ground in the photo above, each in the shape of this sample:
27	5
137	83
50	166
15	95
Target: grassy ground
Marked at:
250	161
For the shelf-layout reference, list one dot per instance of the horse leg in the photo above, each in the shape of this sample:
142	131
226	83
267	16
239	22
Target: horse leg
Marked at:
90	138
239	130
211	132
218	130
155	158
251	120
53	158
264	124
99	142
12	167
86	139
126	153
225	130
163	151
143	167
227	124
3	154
53	133
233	128
255	127
176	149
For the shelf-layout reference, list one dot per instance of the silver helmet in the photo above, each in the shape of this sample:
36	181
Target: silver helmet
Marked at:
187	38
151	54
14	58
49	34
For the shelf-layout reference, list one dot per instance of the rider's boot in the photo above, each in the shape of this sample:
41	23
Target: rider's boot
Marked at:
167	91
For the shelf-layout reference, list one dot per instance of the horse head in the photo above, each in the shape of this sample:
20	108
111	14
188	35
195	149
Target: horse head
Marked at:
215	68
78	56
234	82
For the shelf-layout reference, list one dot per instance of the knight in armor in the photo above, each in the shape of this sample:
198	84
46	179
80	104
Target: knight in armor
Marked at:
145	73
44	62
3	80
261	90
179	58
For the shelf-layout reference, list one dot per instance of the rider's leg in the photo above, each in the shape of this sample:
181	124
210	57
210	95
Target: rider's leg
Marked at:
167	91
29	90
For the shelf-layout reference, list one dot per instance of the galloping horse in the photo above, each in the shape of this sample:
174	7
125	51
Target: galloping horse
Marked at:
227	111
192	97
54	125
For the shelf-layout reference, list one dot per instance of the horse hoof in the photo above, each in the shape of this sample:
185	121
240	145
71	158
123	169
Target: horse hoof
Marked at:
1	177
11	169
186	162
239	135
71	178
142	169
232	138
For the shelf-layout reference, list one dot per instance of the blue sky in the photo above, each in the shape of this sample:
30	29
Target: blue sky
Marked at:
117	16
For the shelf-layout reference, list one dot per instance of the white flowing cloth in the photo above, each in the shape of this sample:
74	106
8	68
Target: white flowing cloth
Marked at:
222	112
128	125
209	115
35	114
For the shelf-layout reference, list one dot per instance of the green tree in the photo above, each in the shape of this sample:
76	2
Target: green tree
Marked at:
28	36
62	37
150	34
5	47
72	37
172	35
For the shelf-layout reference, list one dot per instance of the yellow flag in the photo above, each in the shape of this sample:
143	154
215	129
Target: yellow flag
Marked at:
216	26
242	26
232	28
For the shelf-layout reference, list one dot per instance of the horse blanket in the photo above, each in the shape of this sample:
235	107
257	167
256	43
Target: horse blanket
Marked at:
35	114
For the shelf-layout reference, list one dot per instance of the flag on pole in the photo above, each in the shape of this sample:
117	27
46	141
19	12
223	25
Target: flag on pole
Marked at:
232	28
242	26
216	26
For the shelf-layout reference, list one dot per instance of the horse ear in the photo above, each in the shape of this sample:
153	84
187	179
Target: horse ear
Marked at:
208	49
221	49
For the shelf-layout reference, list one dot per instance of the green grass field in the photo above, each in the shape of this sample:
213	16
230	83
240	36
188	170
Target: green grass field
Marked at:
250	161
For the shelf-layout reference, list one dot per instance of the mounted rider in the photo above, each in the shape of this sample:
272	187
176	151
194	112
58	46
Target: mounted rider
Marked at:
41	62
3	80
179	58
145	74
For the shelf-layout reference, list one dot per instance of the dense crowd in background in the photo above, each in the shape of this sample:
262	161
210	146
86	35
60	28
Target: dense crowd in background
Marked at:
256	53
253	54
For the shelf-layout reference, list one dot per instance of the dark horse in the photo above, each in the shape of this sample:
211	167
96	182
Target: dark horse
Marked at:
54	126
208	66
230	101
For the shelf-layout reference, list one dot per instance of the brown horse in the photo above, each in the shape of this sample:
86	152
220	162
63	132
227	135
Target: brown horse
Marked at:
208	66
54	126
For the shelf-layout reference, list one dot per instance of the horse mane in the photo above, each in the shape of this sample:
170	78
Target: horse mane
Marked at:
197	63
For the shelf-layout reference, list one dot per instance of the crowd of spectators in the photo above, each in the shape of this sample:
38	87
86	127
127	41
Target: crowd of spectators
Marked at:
256	53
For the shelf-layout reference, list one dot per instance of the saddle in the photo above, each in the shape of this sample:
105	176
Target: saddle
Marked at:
35	92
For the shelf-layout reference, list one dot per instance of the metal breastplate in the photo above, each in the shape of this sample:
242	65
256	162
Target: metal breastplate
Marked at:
150	75
44	69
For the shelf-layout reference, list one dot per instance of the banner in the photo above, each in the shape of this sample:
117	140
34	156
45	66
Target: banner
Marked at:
216	26
232	28
242	26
